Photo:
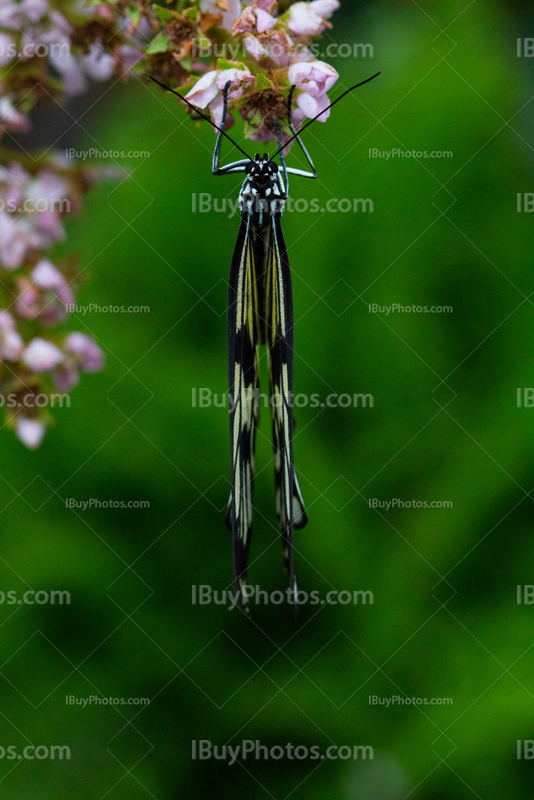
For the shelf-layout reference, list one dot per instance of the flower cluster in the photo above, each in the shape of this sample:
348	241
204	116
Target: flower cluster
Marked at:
51	51
35	293
256	47
48	51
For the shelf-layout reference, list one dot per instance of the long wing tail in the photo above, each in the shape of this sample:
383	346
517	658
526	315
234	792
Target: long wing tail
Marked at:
279	340
243	374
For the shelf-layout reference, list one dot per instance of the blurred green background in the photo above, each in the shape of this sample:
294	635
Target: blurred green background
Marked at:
444	427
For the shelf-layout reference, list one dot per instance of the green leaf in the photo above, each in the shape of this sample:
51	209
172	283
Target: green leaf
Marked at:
163	13
159	45
263	81
222	63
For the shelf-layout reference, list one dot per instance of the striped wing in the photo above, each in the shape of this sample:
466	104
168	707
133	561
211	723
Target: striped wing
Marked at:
243	374
279	341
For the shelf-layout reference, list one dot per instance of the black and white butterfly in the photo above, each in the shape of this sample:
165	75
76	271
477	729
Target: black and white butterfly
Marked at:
260	313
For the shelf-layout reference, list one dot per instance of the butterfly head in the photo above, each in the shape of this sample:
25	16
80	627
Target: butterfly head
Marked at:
262	175
261	190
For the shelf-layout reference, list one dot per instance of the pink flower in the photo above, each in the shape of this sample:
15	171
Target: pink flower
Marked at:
245	22
304	21
60	23
228	17
48	186
89	355
11	344
14	176
29	431
264	20
74	81
104	11
217	108
283	51
30	229
42	356
50	192
15	173
208	91
309	19
39	225
238	78
315	78
81	354
49	305
259	18
15	239
8	49
27	303
66	376
205	89
46	276
32	37
96	64
312	106
325	8
16	15
254	47
128	56
34	9
10	118
49	227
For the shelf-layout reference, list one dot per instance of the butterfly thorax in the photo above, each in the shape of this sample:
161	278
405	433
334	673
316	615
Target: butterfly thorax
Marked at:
261	194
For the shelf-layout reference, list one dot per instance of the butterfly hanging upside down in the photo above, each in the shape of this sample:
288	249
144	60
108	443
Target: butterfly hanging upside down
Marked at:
260	312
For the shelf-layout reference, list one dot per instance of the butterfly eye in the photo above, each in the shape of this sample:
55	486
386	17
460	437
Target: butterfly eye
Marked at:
249	167
273	167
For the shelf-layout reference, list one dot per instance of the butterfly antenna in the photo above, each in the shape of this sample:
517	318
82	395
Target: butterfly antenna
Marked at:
191	105
341	96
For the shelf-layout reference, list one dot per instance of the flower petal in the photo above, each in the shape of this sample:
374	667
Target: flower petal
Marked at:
264	20
254	47
307	104
299	72
30	432
325	8
304	21
205	89
42	356
88	352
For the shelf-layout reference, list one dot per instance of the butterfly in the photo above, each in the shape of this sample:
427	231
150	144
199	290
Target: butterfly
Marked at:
260	314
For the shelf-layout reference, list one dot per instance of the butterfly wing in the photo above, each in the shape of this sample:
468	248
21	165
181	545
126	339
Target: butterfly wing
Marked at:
243	378
279	341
